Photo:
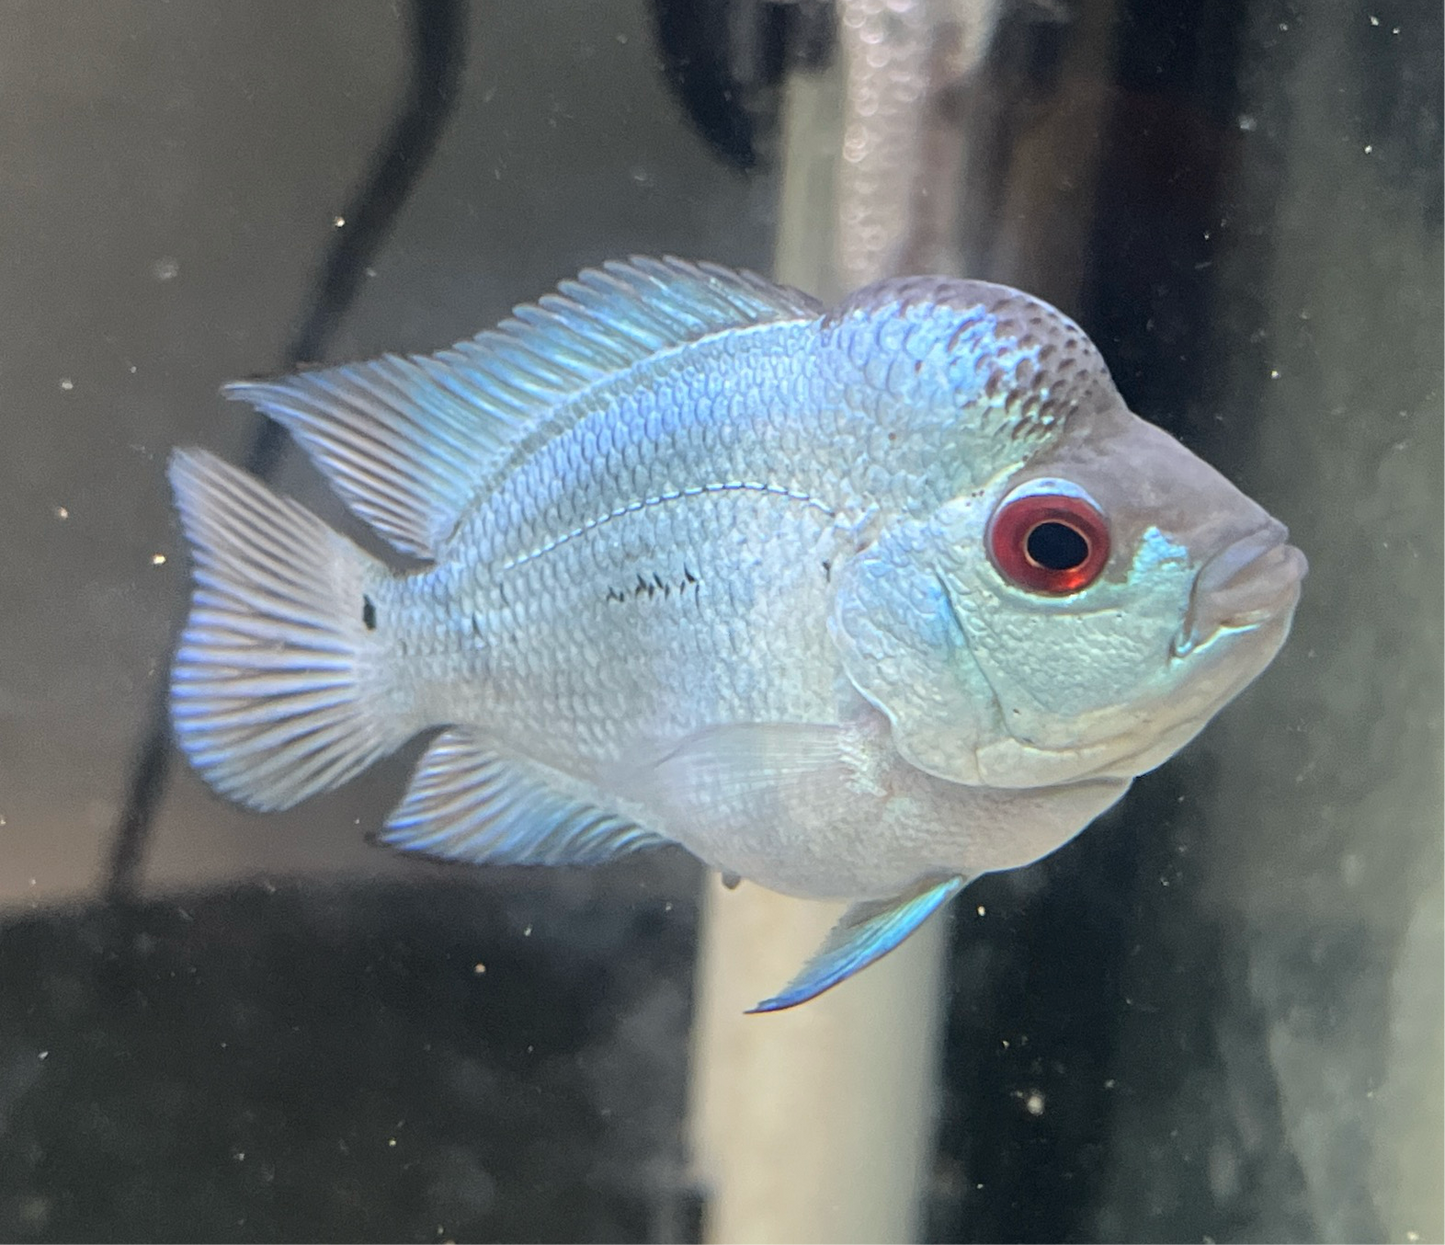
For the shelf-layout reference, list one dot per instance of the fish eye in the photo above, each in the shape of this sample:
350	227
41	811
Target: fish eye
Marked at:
1047	542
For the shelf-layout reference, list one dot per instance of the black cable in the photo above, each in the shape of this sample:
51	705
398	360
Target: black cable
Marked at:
438	54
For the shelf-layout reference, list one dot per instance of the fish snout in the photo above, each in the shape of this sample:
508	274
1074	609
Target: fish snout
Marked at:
1247	583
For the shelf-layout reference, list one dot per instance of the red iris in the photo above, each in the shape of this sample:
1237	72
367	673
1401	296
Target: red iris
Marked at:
1049	542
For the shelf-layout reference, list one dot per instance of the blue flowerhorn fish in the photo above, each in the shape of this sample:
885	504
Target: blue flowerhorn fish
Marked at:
855	604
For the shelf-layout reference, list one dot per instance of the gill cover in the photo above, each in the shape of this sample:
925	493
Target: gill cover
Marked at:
904	650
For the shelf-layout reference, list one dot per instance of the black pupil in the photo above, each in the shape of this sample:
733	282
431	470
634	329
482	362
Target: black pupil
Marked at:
1056	547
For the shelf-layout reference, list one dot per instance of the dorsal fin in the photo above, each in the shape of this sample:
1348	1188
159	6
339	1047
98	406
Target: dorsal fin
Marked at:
408	442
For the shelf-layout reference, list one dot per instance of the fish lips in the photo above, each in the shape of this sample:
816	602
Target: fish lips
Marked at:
1250	582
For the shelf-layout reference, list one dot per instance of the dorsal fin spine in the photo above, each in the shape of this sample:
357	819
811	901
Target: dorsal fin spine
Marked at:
408	443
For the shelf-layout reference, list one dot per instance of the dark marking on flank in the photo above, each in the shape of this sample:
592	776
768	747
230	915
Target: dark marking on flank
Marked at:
655	585
827	570
368	613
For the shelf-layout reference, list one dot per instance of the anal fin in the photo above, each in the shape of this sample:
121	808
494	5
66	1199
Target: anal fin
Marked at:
470	802
867	932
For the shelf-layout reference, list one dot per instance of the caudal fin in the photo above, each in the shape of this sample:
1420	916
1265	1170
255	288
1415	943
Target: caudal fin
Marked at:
280	687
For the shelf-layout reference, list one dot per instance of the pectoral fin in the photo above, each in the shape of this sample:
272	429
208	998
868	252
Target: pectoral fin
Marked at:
867	932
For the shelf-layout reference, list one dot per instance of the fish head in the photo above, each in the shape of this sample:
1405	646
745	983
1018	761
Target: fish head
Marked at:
1080	614
1114	594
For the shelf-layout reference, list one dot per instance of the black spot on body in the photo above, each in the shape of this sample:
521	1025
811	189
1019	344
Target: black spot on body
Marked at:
368	613
652	587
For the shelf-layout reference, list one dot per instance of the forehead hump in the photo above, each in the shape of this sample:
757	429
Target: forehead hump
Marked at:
1007	364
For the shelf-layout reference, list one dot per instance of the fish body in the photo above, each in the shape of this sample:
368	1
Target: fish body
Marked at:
854	604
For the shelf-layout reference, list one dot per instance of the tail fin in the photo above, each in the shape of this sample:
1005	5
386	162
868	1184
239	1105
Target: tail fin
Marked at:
280	687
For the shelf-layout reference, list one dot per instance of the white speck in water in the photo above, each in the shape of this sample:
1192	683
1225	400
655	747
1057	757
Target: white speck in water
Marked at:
339	221
1274	373
1109	1084
1374	21
33	1211
479	969
622	39
158	559
1369	147
982	911
166	268
67	384
62	513
391	1141
371	272
45	1054
1247	122
1034	1103
527	933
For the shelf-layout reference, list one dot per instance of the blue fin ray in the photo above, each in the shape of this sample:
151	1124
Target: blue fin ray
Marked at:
408	442
278	689
470	802
867	932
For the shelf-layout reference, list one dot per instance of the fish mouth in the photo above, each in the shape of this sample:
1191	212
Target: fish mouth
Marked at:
1246	584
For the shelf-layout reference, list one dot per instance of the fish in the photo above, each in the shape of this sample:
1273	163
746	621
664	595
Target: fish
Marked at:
855	603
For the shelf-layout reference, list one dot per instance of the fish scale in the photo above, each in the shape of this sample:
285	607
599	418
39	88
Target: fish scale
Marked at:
699	639
613	520
709	565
